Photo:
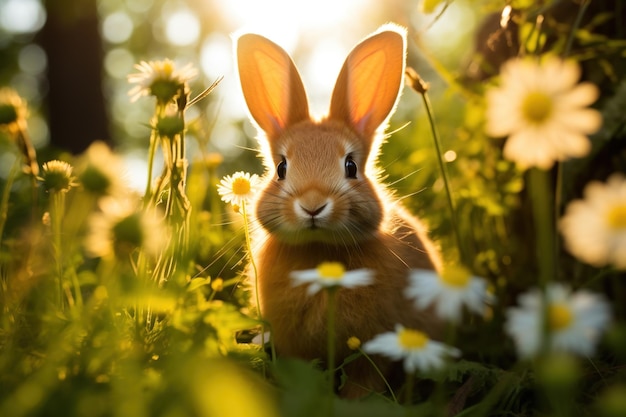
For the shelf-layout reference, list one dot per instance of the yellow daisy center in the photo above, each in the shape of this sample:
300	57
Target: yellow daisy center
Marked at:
616	217
241	186
331	270
559	316
537	107
412	339
456	276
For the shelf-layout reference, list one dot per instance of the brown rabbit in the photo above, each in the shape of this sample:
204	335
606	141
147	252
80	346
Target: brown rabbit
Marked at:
322	201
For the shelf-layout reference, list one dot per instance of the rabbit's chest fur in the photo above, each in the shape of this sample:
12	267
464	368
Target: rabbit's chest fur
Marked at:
298	320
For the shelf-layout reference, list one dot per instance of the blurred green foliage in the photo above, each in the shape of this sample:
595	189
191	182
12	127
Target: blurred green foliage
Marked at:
195	357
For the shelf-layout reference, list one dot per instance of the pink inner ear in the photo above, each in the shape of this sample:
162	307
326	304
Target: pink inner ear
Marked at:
361	123
271	84
369	83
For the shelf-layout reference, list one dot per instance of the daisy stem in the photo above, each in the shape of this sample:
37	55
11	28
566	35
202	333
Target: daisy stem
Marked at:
443	171
246	231
542	201
332	298
410	383
57	205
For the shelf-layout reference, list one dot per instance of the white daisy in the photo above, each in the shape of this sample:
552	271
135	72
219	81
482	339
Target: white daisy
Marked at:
101	171
332	274
160	78
120	227
449	291
238	188
575	321
13	109
543	111
594	228
413	347
57	176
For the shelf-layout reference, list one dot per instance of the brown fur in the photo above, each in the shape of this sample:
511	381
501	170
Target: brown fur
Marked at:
359	225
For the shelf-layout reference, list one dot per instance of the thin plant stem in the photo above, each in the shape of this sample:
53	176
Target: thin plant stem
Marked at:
542	201
57	203
332	299
246	231
378	371
410	383
542	209
151	153
579	17
6	193
444	173
158	112
558	188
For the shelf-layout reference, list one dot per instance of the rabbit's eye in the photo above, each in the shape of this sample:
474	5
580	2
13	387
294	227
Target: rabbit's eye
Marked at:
281	169
351	168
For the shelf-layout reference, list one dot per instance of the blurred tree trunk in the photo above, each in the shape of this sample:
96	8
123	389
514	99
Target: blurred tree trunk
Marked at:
75	102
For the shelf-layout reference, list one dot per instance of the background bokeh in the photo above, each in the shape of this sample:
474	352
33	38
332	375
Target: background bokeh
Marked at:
70	60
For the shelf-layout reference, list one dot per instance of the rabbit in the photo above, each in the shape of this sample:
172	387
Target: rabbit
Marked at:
322	200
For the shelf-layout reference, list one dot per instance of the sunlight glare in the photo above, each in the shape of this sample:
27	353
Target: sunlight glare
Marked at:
117	27
284	21
22	16
182	28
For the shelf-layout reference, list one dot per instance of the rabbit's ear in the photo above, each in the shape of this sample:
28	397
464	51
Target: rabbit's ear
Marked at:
271	84
369	83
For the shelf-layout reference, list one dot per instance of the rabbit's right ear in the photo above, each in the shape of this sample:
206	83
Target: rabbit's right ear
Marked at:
271	84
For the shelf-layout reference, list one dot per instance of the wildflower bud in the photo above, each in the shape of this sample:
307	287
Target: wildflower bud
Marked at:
354	343
415	81
170	126
236	208
217	284
45	219
57	176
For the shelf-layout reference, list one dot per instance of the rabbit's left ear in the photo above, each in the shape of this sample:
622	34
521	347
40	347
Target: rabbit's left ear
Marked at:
370	80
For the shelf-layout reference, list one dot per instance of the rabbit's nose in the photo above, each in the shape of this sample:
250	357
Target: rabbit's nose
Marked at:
314	212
